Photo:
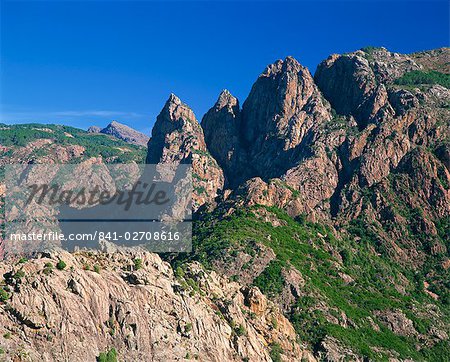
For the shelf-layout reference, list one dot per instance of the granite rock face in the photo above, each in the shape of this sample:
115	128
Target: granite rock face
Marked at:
145	313
355	83
221	126
177	138
283	111
349	148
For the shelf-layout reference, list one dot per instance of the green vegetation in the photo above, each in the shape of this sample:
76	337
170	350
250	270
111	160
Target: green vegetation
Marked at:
110	148
137	263
22	261
239	330
275	352
97	268
271	281
110	356
307	247
188	327
61	265
4	295
48	268
370	49
19	275
418	77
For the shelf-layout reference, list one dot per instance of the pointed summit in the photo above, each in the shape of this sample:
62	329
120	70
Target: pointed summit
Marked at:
175	110
221	128
177	137
291	61
173	99
284	104
226	99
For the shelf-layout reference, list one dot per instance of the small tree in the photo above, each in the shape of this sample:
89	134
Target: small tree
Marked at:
61	265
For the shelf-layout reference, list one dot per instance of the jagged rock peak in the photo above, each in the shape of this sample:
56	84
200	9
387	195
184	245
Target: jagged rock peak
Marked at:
284	105
174	99
289	64
355	83
221	128
175	110
226	98
177	137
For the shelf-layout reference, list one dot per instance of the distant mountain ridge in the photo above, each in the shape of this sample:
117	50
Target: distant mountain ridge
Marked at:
122	132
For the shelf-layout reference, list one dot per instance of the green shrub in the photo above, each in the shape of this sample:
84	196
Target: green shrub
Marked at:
271	281
417	77
240	330
137	263
61	265
4	295
188	327
48	268
275	352
179	272
97	268
110	356
19	274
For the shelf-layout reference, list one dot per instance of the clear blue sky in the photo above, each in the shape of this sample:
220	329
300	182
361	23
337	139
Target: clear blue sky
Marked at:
84	63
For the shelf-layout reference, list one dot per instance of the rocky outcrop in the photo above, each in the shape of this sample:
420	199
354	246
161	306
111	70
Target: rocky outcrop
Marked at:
436	59
103	301
397	322
125	133
177	138
94	129
281	112
221	126
355	83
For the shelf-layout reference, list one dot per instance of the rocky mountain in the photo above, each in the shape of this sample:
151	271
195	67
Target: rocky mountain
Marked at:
122	132
362	148
325	198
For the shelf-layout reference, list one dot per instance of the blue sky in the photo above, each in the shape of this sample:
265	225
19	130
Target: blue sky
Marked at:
84	63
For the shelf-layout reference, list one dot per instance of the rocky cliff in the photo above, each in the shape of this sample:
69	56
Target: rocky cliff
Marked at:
178	138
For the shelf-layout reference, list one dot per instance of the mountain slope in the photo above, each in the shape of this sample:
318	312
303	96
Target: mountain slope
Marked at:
125	133
135	304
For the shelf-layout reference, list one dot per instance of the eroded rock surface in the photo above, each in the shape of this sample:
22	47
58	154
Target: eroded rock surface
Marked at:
100	301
